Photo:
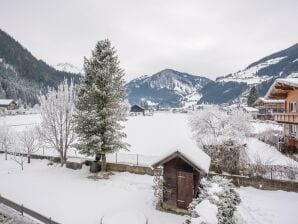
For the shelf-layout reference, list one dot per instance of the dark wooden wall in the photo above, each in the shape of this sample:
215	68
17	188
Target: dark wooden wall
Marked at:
170	180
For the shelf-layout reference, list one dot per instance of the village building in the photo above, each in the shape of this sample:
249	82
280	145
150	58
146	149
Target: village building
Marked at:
137	109
8	104
183	168
268	107
287	90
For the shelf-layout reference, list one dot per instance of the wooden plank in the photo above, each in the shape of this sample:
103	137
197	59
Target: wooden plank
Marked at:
185	189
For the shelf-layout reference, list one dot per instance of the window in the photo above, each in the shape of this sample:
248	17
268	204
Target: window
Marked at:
292	106
292	129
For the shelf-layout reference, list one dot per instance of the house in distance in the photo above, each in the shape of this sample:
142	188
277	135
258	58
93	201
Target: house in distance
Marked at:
183	168
137	109
8	104
287	90
268	107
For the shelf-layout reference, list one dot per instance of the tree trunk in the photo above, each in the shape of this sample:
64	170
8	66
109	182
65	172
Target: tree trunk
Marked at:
103	163
29	159
62	160
5	154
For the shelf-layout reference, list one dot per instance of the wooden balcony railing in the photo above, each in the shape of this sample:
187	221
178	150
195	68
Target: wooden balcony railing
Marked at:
286	118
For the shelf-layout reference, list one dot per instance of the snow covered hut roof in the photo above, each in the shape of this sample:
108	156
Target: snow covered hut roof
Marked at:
5	102
280	88
263	99
190	153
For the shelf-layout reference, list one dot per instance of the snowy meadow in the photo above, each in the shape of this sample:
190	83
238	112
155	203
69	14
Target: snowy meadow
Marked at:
69	196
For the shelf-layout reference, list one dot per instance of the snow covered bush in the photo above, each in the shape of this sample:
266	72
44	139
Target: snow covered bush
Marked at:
214	126
227	157
216	203
220	134
270	137
6	139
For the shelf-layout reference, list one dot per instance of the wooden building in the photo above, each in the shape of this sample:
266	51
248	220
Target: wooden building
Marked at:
137	109
183	169
8	104
268	107
287	90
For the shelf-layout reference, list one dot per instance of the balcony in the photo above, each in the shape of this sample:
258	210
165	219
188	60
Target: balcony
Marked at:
290	118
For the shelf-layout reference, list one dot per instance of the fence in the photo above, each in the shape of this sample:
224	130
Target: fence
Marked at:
24	210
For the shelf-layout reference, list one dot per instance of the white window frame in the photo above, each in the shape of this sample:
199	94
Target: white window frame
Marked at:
293	107
292	129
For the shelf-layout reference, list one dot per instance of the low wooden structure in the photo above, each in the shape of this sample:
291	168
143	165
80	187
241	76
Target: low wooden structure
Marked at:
137	109
182	173
8	104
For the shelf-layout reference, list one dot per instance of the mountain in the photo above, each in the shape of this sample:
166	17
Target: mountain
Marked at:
261	73
167	88
173	88
22	76
68	67
280	64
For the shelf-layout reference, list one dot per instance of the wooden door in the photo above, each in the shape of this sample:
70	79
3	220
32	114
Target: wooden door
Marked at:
185	189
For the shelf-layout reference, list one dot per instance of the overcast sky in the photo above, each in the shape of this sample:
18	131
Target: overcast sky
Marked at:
201	37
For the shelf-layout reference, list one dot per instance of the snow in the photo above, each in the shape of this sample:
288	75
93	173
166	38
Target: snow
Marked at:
207	213
69	197
131	217
249	76
293	74
288	81
266	207
10	216
5	101
269	155
190	151
67	67
271	100
250	109
259	127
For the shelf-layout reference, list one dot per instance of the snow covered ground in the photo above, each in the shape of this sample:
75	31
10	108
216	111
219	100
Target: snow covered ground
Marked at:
153	136
269	155
69	197
266	207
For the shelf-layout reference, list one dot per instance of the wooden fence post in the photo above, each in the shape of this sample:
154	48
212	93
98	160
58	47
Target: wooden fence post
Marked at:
137	159
22	209
50	219
116	158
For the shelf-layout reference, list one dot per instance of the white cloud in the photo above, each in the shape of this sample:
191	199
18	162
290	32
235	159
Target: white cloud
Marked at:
209	38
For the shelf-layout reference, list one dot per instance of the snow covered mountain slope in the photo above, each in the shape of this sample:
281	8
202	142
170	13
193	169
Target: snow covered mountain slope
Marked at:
280	64
167	88
68	67
249	74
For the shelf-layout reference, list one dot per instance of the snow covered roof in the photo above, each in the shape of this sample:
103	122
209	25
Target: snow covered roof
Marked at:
250	109
6	102
280	88
263	99
190	153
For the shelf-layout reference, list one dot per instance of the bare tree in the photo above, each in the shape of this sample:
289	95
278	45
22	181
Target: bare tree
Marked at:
57	126
19	156
29	141
6	139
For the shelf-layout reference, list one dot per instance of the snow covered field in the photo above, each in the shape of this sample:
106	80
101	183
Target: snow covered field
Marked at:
69	197
153	136
266	207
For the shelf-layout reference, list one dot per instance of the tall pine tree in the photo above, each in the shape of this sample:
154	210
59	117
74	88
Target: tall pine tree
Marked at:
253	96
100	104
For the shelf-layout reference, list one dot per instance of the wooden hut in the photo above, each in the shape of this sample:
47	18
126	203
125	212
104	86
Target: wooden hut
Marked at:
137	109
182	172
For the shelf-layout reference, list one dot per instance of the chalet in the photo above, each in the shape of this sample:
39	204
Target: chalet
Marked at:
268	107
8	104
137	109
287	90
183	168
